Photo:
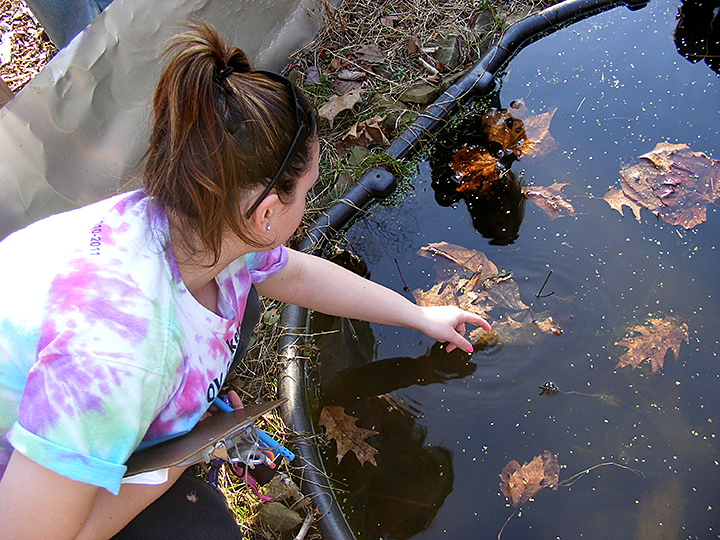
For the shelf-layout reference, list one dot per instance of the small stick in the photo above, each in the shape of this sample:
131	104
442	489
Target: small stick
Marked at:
543	286
506	522
305	526
405	286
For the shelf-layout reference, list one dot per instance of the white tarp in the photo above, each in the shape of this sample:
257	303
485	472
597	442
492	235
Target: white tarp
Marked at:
73	134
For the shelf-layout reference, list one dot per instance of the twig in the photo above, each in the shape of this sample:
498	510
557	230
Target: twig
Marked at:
427	66
305	526
575	477
543	286
405	285
506	522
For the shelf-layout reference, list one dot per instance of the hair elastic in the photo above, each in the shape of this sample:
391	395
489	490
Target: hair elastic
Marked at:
226	71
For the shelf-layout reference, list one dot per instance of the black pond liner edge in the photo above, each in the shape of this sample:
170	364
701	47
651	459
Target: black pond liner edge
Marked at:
378	184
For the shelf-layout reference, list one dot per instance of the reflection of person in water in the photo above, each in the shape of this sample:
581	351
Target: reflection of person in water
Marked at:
401	496
497	213
697	35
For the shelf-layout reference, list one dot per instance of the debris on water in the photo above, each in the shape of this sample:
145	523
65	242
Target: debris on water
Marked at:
548	388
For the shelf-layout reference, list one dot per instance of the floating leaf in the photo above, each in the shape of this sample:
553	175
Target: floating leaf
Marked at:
673	182
476	169
501	127
348	436
654	339
519	484
537	129
475	284
507	137
336	104
550	200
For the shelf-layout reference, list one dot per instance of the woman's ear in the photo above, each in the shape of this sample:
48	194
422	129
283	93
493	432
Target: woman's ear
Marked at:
265	213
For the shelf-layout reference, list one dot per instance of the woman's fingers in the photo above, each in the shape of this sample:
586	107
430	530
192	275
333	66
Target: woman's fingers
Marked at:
235	400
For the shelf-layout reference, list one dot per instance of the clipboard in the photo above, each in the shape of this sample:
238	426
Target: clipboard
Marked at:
205	435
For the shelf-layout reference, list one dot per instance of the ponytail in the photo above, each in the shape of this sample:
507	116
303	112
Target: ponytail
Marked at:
220	132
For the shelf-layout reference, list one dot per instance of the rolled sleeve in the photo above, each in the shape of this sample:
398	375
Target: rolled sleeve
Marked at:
263	265
67	462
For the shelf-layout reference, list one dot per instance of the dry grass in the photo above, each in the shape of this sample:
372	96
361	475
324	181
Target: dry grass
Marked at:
406	32
30	49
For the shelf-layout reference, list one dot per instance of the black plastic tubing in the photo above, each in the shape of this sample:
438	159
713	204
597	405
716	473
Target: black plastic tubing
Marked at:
479	80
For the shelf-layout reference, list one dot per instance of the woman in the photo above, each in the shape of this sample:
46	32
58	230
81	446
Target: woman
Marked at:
119	320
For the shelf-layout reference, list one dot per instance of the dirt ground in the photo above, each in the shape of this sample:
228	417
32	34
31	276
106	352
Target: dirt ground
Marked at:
386	48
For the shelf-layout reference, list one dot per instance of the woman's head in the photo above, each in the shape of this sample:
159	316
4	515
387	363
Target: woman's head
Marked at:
221	135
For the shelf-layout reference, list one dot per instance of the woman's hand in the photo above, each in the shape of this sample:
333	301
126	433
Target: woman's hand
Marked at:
323	286
235	403
446	324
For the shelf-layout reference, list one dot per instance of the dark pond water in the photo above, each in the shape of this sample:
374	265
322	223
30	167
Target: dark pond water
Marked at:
448	424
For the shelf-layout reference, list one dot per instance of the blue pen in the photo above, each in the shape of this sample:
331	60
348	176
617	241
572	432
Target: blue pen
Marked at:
268	441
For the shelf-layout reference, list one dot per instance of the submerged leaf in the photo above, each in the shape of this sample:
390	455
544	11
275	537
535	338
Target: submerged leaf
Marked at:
520	328
519	484
476	169
476	285
673	182
347	435
550	200
616	199
506	137
537	129
655	337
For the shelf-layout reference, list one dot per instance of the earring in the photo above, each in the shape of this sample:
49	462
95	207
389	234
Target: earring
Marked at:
267	228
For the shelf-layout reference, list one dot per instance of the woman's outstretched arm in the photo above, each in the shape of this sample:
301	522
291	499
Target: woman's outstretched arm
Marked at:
323	286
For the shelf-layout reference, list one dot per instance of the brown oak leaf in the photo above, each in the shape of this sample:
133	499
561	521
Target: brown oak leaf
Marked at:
673	182
550	200
336	104
502	127
654	339
348	436
617	199
519	484
469	280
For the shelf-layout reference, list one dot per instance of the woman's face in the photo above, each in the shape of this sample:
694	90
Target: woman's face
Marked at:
286	222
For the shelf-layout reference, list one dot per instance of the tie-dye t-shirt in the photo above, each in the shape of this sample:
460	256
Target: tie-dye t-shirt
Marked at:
102	348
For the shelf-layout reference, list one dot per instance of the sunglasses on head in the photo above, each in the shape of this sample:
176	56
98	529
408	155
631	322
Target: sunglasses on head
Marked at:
301	136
